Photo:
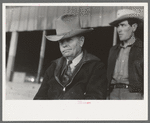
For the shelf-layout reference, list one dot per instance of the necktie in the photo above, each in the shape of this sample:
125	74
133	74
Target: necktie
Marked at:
66	74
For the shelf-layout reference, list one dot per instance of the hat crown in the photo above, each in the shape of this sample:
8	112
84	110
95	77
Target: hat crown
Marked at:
127	12
67	23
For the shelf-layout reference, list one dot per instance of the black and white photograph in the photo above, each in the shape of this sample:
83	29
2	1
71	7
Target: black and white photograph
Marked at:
75	57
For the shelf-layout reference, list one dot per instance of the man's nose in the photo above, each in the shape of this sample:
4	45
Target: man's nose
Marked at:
119	29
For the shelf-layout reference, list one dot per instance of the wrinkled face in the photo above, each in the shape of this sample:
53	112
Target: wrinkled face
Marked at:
71	47
125	31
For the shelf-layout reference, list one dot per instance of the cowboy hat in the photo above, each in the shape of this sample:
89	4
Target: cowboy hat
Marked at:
67	26
126	14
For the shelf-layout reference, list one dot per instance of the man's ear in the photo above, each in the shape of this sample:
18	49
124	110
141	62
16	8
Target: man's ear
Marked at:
134	26
82	40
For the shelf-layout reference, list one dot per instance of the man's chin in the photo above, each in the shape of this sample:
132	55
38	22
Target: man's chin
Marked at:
66	55
121	39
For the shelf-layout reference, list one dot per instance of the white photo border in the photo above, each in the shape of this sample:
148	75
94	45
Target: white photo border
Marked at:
101	110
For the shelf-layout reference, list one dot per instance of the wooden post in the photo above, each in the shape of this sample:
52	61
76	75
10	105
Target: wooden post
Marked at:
115	36
12	54
43	45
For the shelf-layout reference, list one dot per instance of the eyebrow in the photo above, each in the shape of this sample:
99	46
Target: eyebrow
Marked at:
122	24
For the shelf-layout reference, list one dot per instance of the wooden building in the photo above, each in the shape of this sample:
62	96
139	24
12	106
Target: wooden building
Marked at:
42	18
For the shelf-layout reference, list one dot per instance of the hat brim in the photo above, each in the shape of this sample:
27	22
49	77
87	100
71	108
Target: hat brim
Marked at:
68	35
115	22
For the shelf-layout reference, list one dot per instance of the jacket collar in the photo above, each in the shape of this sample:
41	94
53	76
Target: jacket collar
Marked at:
88	57
137	43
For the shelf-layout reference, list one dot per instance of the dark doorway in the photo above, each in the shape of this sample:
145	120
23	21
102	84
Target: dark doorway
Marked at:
52	51
99	42
28	52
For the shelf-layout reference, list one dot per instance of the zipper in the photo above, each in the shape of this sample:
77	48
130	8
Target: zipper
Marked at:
64	89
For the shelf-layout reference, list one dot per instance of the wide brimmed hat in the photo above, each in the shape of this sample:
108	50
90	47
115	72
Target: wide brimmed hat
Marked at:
67	26
126	14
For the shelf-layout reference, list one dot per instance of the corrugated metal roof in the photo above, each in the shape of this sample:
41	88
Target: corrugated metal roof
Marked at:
29	18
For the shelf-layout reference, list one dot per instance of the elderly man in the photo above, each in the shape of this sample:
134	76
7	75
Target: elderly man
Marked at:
77	74
125	62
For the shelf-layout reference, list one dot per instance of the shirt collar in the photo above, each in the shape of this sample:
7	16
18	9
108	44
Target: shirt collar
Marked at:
130	43
76	60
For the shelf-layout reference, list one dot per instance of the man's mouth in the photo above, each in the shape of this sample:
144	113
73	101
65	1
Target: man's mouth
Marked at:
65	51
120	34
